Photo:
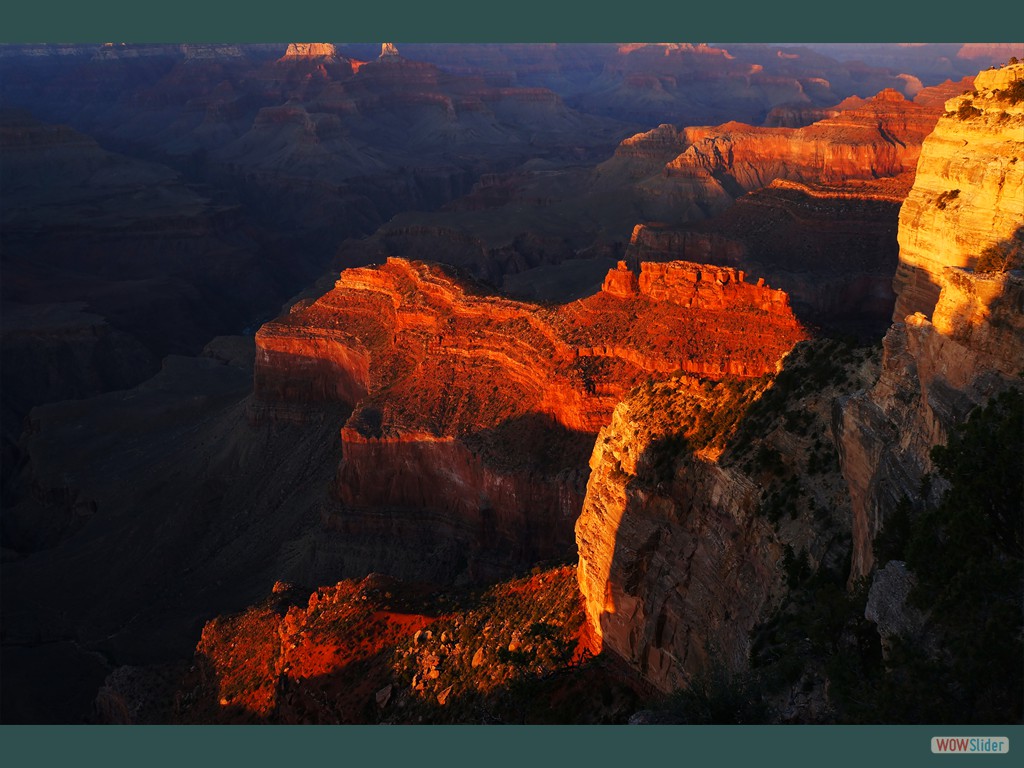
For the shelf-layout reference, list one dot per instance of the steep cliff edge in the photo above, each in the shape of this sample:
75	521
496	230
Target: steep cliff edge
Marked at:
813	209
967	195
960	228
481	411
700	499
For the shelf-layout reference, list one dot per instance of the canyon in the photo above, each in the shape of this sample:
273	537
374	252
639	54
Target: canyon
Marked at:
656	546
353	338
481	410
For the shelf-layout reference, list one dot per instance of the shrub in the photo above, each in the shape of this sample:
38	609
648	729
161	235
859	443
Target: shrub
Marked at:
1015	92
967	110
1001	257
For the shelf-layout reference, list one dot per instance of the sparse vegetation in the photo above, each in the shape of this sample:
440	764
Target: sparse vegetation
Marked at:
1015	93
1001	257
966	111
967	553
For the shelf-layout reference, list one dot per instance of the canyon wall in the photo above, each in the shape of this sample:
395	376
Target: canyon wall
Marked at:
860	143
698	494
670	565
958	335
684	547
967	195
481	411
812	209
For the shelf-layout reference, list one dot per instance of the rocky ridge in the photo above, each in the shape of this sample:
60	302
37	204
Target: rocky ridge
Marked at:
698	496
378	650
482	409
862	140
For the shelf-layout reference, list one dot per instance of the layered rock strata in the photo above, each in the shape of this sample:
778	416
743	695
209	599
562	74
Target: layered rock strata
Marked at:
669	565
967	193
701	170
483	410
697	496
959	332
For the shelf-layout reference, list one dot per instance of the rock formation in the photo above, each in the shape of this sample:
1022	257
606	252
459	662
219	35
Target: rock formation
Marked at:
833	250
967	191
482	410
309	51
665	573
683	530
377	650
958	335
880	137
812	209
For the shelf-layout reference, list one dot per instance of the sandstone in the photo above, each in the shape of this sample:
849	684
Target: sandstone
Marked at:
669	570
958	334
967	193
482	410
680	553
309	51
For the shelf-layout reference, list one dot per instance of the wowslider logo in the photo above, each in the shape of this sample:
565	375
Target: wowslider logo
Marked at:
970	745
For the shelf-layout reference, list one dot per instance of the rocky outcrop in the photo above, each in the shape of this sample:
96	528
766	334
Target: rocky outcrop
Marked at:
833	251
812	209
483	410
309	51
934	372
675	573
881	137
800	115
858	148
967	193
968	197
378	650
684	538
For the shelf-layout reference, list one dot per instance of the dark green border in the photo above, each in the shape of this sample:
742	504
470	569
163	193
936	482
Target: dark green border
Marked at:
176	21
478	746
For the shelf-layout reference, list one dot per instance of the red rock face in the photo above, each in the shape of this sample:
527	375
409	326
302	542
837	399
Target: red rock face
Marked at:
881	137
859	147
379	650
484	410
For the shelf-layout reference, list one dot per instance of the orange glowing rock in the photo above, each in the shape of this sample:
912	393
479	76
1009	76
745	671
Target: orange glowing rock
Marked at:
484	410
